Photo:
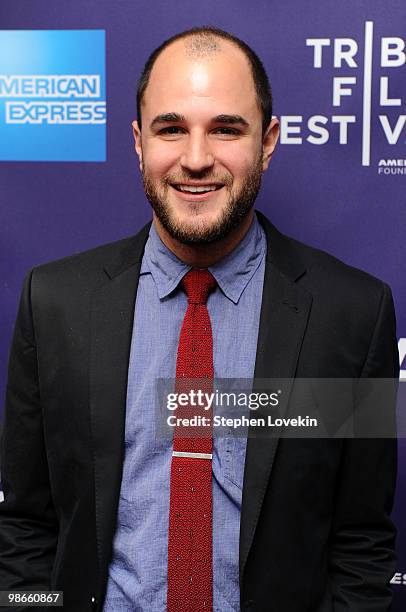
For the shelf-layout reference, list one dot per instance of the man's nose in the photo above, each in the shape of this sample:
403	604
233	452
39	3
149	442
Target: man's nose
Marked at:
197	155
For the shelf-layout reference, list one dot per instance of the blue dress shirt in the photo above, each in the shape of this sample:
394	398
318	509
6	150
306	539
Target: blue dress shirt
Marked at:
138	569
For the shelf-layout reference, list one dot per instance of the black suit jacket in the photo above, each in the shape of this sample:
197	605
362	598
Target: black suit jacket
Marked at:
315	528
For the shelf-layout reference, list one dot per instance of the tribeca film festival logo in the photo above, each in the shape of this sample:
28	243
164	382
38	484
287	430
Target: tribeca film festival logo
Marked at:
52	95
399	579
355	74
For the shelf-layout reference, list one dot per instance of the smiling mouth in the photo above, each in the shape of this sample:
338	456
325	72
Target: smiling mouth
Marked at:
196	188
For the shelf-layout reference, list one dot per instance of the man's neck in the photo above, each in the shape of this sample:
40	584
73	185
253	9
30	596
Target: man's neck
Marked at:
204	255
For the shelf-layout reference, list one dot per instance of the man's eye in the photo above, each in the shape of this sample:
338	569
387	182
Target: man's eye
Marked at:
172	129
227	131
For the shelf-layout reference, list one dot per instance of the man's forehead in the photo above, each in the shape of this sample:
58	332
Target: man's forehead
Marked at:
200	50
189	66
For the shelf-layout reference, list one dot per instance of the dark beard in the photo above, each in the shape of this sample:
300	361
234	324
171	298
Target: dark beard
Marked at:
236	210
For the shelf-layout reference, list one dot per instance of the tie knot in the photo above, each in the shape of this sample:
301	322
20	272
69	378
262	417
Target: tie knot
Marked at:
197	284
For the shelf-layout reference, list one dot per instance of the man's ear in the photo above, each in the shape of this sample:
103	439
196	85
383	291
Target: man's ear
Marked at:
137	140
269	141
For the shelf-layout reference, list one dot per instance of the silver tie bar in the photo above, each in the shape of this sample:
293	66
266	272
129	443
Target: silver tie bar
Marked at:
192	455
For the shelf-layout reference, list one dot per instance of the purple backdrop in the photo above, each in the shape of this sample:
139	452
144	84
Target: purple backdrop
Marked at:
343	196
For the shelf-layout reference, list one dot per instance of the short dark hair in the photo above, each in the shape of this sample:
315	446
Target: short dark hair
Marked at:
260	77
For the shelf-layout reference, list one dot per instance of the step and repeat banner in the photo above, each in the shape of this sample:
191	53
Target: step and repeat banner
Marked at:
69	177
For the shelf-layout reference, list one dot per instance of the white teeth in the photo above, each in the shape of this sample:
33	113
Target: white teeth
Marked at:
193	189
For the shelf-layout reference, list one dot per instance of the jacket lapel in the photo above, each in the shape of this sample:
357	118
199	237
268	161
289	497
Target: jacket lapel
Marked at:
111	322
284	313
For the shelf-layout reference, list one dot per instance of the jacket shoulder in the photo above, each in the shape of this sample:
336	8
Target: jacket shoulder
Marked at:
314	268
327	270
91	265
348	303
89	258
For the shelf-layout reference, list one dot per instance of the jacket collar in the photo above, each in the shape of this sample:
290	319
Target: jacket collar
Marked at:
280	252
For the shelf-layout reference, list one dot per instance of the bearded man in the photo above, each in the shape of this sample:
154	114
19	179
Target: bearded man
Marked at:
99	507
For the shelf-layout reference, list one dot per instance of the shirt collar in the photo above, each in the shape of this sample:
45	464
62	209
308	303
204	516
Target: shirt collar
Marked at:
232	273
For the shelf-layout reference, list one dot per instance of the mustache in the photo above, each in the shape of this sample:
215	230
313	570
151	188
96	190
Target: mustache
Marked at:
170	179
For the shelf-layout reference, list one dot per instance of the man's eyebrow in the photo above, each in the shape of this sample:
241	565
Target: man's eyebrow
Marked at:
231	120
167	118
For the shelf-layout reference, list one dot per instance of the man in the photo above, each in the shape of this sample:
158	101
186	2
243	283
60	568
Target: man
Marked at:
92	503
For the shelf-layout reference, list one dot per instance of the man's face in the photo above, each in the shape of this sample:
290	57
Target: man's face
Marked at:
201	148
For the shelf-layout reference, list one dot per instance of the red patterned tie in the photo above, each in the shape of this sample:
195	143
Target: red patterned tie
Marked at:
190	565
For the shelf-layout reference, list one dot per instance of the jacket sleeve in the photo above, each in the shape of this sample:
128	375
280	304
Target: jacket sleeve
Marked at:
28	522
362	551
